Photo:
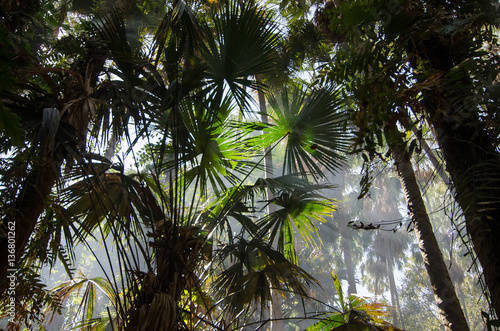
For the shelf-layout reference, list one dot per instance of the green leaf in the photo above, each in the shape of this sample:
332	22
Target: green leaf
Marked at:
241	43
314	125
338	288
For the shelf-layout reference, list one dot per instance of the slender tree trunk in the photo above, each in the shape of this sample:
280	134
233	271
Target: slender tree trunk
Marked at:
268	160
462	299
345	240
438	166
397	320
404	119
449	307
349	265
392	289
276	314
341	220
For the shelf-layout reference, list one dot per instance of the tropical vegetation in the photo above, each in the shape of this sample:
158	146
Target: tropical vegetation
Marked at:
212	165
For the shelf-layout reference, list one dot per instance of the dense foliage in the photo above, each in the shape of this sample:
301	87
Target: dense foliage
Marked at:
136	172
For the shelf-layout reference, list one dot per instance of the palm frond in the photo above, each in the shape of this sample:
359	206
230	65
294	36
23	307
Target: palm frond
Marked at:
296	211
178	36
213	149
242	202
241	43
90	286
315	126
253	269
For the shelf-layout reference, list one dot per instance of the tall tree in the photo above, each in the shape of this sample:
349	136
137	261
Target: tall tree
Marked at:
198	200
453	107
376	117
387	248
54	101
340	233
449	306
443	63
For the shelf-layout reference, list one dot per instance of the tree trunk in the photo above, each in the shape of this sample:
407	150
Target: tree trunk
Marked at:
404	119
470	153
38	185
449	307
349	265
276	314
397	320
24	214
344	236
474	167
268	160
392	289
462	299
341	219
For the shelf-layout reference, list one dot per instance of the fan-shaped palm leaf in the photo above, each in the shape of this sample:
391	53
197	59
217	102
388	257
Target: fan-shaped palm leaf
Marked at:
92	287
241	43
178	37
296	210
117	205
115	195
212	148
298	205
132	89
253	270
315	127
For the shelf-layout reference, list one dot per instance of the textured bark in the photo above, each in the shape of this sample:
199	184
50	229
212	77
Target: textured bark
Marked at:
24	214
449	307
462	299
474	166
470	154
404	119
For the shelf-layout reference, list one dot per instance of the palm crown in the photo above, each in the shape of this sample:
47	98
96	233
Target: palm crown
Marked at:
199	199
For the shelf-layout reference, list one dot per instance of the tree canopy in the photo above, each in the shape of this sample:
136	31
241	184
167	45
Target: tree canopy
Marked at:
136	175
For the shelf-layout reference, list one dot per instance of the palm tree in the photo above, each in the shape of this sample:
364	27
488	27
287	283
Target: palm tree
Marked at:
428	55
167	220
377	117
206	153
54	102
387	249
61	104
55	128
340	234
